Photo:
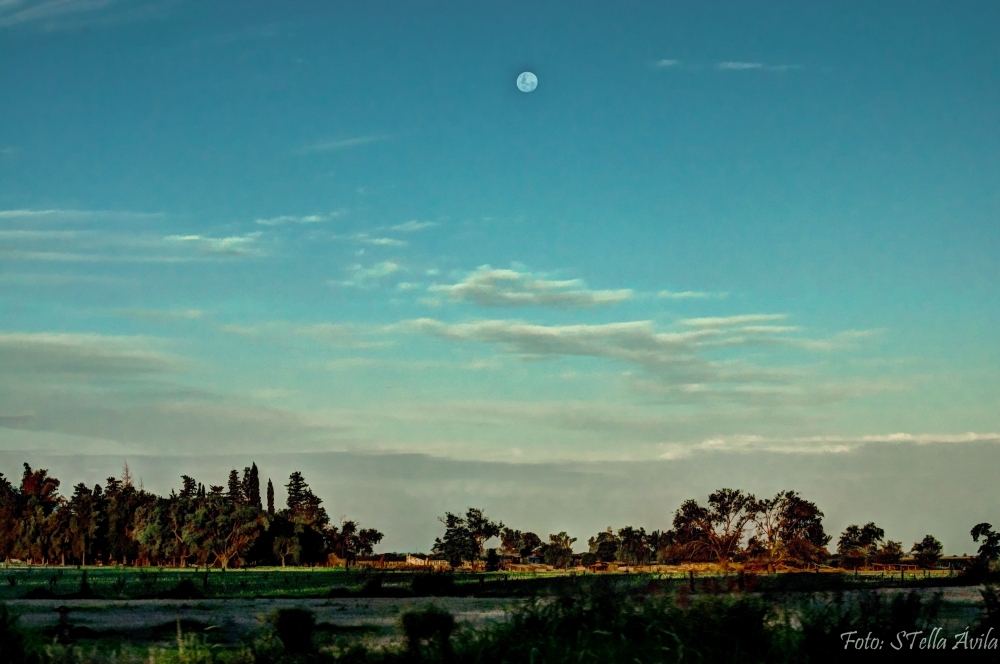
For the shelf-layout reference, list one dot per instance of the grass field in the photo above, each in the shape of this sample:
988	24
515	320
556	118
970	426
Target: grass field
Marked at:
20	582
187	616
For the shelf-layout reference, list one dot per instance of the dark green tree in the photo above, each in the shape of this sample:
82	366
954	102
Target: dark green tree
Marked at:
189	487
481	529
715	531
889	553
121	502
604	546
223	530
250	486
510	541
270	497
927	552
235	493
633	546
305	537
457	545
9	513
38	498
296	491
530	543
989	550
84	523
558	552
787	529
284	543
350	540
858	544
515	543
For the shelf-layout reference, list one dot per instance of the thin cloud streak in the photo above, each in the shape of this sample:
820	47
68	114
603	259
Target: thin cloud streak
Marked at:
726	321
489	287
413	225
38	354
750	66
43	10
675	363
338	335
306	219
688	295
70	215
820	444
369	277
331	146
364	238
161	314
740	66
236	245
70	257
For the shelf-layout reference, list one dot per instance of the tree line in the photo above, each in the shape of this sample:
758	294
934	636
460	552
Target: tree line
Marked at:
733	526
234	525
221	526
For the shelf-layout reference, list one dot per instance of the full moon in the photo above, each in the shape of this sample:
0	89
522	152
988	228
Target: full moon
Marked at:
527	82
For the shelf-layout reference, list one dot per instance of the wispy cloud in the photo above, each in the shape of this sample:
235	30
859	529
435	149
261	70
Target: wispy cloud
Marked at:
41	279
740	66
236	245
161	314
33	238
489	287
56	214
677	364
690	295
413	225
65	14
76	257
749	66
338	335
727	321
666	63
13	12
821	444
349	363
364	238
341	144
48	353
369	277
305	219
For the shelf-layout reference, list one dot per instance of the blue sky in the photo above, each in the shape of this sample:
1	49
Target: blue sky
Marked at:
713	229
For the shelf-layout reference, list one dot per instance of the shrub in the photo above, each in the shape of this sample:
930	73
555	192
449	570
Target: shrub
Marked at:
428	630
11	639
295	629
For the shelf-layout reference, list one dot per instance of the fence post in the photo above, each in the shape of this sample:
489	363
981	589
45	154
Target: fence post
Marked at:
691	577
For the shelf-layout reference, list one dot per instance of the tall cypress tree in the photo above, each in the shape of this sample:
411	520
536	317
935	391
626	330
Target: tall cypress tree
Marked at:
255	486
297	489
189	487
235	491
245	485
251	486
270	497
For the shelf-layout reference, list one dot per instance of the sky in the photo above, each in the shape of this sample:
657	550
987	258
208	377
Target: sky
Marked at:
720	243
